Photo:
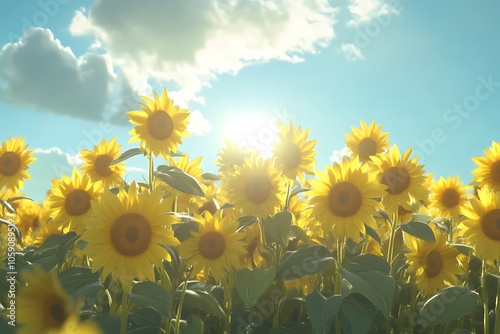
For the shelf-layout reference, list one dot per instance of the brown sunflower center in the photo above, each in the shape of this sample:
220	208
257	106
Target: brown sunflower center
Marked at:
10	162
56	313
131	234
160	125
491	224
212	245
450	198
344	199
397	180
102	164
77	202
367	147
292	156
433	264
258	188
495	171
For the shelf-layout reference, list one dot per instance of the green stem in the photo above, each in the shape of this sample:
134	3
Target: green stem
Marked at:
179	307
124	311
338	280
151	171
485	298
228	295
390	250
497	310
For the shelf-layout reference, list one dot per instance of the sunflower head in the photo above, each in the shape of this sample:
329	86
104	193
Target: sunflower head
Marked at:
482	224
98	163
367	141
294	154
345	197
233	155
14	161
128	234
448	197
71	200
487	172
216	247
160	125
256	188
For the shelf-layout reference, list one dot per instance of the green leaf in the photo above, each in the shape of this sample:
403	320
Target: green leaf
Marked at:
80	282
464	249
14	229
419	230
372	233
53	251
193	325
128	154
251	284
306	261
277	228
109	324
180	180
297	232
145	317
450	304
7	325
422	218
297	190
368	274
148	293
383	214
204	301
356	314
210	177
322	311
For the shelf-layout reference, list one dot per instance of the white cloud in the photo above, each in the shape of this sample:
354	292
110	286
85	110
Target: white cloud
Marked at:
338	155
198	124
37	71
176	41
70	159
364	11
351	52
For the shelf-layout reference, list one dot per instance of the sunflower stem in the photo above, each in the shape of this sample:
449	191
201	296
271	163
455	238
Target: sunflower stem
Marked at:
179	307
390	250
151	170
497	309
124	311
228	295
338	279
485	298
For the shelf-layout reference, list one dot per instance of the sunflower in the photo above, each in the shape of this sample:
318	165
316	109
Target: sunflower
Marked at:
71	198
294	154
233	155
98	163
403	177
344	197
488	168
434	264
365	141
14	161
447	197
44	307
256	188
482	224
253	241
160	125
128	234
216	247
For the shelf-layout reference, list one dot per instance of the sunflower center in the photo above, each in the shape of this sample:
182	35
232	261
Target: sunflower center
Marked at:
495	171
77	202
131	234
397	180
491	224
344	199
450	198
212	245
292	156
56	313
10	162
367	147
102	164
258	188
160	125
433	264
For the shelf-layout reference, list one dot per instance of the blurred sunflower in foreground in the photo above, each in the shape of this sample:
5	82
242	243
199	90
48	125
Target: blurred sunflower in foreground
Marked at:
14	161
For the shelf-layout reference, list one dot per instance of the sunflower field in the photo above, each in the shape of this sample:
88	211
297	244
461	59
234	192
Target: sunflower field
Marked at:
371	244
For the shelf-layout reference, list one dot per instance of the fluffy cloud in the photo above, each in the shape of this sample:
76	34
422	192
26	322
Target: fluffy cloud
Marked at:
351	52
71	160
191	44
364	11
198	124
37	71
338	155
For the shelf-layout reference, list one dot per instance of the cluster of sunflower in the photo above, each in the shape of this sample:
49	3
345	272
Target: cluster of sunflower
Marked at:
266	245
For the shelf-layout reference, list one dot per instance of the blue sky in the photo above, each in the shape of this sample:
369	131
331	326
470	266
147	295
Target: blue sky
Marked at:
428	72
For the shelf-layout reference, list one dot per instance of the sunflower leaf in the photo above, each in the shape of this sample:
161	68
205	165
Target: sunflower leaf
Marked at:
322	311
251	284
128	154
419	230
13	228
180	180
148	293
193	325
80	282
372	233
277	228
210	177
450	304
202	300
297	190
146	317
305	261
356	314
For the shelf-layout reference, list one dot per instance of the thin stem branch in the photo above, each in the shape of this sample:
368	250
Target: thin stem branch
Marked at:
485	298
179	307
